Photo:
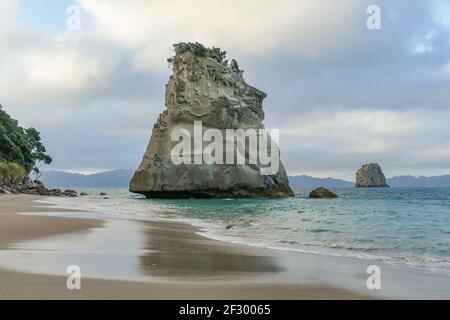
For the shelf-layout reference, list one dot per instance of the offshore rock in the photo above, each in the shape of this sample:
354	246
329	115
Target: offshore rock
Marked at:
370	176
203	89
322	193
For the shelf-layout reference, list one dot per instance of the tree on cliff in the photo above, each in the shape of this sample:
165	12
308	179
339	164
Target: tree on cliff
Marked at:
19	145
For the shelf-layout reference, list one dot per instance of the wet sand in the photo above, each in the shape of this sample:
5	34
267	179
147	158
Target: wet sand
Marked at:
176	263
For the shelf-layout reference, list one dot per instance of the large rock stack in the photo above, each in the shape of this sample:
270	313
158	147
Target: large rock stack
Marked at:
202	89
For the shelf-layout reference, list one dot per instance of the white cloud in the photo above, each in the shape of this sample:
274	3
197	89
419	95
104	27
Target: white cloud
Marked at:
309	28
358	132
441	153
381	123
53	70
8	12
424	44
61	69
7	7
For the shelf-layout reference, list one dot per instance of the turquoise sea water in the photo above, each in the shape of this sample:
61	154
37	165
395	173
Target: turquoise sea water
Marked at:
406	227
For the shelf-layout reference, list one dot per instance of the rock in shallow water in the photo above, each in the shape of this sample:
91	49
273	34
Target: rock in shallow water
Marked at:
370	176
36	188
202	89
322	193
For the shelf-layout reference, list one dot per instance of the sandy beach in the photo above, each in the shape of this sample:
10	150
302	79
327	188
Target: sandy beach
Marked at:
180	265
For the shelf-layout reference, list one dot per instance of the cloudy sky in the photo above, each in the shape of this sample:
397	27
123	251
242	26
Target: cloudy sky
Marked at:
341	94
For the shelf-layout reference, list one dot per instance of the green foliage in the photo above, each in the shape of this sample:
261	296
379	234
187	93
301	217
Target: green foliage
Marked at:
234	66
19	145
200	50
12	173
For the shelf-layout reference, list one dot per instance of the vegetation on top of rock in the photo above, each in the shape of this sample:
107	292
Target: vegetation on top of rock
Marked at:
19	145
200	50
234	66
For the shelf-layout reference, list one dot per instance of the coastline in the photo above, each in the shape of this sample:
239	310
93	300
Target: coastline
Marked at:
214	269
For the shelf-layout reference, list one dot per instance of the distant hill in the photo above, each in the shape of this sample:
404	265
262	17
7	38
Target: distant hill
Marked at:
311	182
396	182
121	178
110	179
410	181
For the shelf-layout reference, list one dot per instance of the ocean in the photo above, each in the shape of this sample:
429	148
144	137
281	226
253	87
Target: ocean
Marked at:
405	227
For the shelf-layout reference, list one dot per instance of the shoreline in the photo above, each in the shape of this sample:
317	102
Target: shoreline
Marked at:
172	260
223	232
232	272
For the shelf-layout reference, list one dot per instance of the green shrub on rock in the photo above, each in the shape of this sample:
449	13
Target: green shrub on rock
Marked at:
200	50
12	173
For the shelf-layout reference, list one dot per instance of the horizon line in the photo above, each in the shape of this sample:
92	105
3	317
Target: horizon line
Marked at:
290	175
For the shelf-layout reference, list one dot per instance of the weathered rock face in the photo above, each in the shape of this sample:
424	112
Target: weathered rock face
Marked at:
35	188
201	89
322	193
370	176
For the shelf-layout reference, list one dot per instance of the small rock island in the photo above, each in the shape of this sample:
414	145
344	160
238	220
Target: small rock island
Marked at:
205	88
370	176
322	193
